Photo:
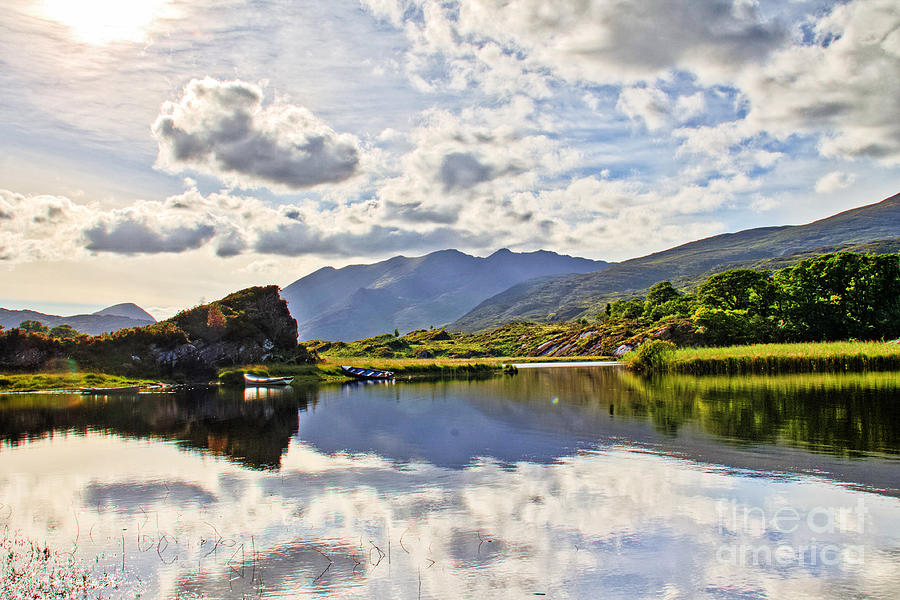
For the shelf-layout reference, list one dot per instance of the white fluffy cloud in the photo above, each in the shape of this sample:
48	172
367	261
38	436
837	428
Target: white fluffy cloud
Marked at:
42	227
464	168
834	181
595	40
832	74
843	86
221	128
650	105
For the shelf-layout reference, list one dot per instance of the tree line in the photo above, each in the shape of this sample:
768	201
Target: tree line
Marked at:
835	296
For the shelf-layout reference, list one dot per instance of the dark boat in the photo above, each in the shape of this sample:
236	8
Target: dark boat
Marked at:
360	373
125	389
256	380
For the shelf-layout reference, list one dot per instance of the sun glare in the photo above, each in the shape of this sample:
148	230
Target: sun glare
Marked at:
104	21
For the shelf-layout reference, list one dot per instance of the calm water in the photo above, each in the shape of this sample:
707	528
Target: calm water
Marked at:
565	483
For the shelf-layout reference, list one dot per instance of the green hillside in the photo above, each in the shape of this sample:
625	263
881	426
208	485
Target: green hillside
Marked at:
558	298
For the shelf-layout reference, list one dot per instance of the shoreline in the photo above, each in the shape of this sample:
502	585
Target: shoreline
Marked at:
770	359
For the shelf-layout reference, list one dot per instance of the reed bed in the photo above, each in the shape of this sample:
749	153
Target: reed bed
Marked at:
824	357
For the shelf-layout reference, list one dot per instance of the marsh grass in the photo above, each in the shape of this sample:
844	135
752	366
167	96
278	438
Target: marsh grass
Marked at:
22	382
824	357
30	569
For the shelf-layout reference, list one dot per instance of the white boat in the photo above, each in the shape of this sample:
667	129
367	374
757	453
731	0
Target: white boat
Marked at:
258	381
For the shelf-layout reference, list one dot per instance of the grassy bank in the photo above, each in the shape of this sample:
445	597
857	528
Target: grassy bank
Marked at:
825	357
329	370
23	382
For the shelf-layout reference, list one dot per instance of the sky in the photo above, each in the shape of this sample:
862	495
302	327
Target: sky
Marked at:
166	152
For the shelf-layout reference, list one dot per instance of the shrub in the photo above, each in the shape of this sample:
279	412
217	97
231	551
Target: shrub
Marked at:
650	357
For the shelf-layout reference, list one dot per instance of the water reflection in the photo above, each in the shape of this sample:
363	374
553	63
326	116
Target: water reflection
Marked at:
251	426
573	484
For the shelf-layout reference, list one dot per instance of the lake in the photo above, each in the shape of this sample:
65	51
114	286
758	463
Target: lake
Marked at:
558	483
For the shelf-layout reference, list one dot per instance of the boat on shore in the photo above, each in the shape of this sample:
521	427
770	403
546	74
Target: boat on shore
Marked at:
256	380
125	389
361	373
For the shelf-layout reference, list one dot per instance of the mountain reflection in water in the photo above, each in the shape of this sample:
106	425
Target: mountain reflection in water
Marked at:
572	483
538	415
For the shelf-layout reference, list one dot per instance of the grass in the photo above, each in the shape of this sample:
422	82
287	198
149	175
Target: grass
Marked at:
824	357
329	370
24	382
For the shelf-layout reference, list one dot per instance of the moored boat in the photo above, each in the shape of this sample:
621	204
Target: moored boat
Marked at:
125	389
258	380
361	373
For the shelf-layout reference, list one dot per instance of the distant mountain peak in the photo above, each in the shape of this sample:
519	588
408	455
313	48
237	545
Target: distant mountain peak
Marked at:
126	309
112	318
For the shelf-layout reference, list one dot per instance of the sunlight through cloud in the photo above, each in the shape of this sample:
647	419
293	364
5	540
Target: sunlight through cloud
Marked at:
104	21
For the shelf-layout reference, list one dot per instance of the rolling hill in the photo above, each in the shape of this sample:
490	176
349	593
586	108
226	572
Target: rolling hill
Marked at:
112	318
358	301
560	298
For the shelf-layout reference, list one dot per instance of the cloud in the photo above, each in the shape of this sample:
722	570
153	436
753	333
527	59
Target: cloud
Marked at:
834	181
298	239
132	236
843	86
590	40
463	167
41	227
650	105
221	128
462	170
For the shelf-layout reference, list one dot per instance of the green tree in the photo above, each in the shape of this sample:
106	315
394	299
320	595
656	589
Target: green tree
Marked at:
396	332
64	331
33	327
661	292
627	309
840	296
739	289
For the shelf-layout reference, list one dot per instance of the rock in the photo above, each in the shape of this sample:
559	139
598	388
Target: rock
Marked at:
662	334
622	350
547	348
423	353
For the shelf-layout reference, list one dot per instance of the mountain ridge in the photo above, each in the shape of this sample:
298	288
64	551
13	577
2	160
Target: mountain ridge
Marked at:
107	320
570	296
410	293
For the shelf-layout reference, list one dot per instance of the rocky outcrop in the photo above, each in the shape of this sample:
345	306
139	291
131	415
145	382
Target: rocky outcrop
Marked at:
250	326
617	342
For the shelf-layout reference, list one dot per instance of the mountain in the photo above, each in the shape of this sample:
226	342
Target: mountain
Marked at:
566	297
113	318
358	301
127	309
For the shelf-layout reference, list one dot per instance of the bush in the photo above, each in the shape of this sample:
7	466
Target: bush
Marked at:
650	357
